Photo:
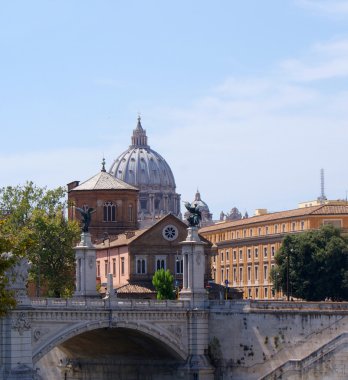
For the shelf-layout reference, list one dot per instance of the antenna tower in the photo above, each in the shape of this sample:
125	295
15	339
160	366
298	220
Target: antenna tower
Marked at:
322	197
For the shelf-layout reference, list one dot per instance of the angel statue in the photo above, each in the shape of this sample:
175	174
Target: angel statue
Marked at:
195	214
86	216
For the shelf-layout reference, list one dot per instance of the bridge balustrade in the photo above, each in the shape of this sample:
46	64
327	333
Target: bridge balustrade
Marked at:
90	303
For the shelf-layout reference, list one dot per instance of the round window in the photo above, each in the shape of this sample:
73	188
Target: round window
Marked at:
170	232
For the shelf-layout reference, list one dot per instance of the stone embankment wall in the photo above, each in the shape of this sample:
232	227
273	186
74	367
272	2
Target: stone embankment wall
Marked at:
279	340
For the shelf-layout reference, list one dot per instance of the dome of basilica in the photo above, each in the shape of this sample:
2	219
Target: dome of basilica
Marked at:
144	168
141	166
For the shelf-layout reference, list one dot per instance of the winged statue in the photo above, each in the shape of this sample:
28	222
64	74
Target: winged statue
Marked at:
195	214
86	216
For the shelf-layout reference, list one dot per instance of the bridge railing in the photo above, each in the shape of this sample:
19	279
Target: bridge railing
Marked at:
273	305
115	303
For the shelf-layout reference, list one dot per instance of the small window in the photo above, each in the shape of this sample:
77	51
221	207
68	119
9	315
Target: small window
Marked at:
266	292
276	229
256	292
130	213
234	274
244	233
234	255
114	267
256	251
249	293
122	266
266	230
249	253
98	268
302	225
283	228
227	256
241	274
272	250
222	256
256	273
265	272
179	265
265	253
259	231
251	232
240	255
293	226
249	273
222	275
106	267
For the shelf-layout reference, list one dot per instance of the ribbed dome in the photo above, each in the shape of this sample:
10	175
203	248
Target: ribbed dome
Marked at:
141	166
198	202
147	170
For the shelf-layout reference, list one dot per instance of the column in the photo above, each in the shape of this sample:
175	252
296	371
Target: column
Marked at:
86	272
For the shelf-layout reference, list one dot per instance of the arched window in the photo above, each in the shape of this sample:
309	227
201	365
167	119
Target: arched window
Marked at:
109	212
160	263
140	265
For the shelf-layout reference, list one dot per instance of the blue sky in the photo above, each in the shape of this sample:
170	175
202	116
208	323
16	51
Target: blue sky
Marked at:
246	100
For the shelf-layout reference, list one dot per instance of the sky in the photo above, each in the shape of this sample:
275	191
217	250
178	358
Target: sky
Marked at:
246	100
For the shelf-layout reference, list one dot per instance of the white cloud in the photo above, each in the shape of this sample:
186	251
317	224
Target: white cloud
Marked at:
260	142
324	61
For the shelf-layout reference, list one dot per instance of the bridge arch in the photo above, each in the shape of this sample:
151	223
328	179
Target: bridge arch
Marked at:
171	342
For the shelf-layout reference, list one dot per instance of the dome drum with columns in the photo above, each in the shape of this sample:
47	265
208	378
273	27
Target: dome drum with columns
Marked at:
147	170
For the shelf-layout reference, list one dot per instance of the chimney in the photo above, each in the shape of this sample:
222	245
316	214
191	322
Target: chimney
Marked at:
260	211
129	234
72	185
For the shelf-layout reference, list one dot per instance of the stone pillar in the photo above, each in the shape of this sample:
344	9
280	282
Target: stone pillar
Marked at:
197	365
15	328
86	273
194	269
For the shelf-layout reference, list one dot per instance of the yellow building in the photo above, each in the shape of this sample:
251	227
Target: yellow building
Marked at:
246	247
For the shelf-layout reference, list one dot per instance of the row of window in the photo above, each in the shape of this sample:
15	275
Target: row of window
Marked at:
259	231
257	295
140	265
112	269
160	263
251	271
225	256
110	212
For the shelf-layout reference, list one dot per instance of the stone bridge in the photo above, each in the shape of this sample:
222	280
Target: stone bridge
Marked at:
146	339
166	333
88	338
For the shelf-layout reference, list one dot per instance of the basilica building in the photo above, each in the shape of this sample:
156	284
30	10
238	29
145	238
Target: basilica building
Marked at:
147	170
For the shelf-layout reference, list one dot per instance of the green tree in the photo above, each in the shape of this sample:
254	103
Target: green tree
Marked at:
313	265
163	282
7	300
36	217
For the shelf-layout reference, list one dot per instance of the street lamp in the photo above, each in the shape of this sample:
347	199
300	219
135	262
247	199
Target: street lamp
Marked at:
109	280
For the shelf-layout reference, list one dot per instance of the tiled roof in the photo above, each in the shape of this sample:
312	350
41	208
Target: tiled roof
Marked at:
136	288
331	209
104	181
122	239
314	210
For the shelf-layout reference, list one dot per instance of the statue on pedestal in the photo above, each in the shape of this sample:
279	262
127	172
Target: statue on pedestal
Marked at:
195	216
86	216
